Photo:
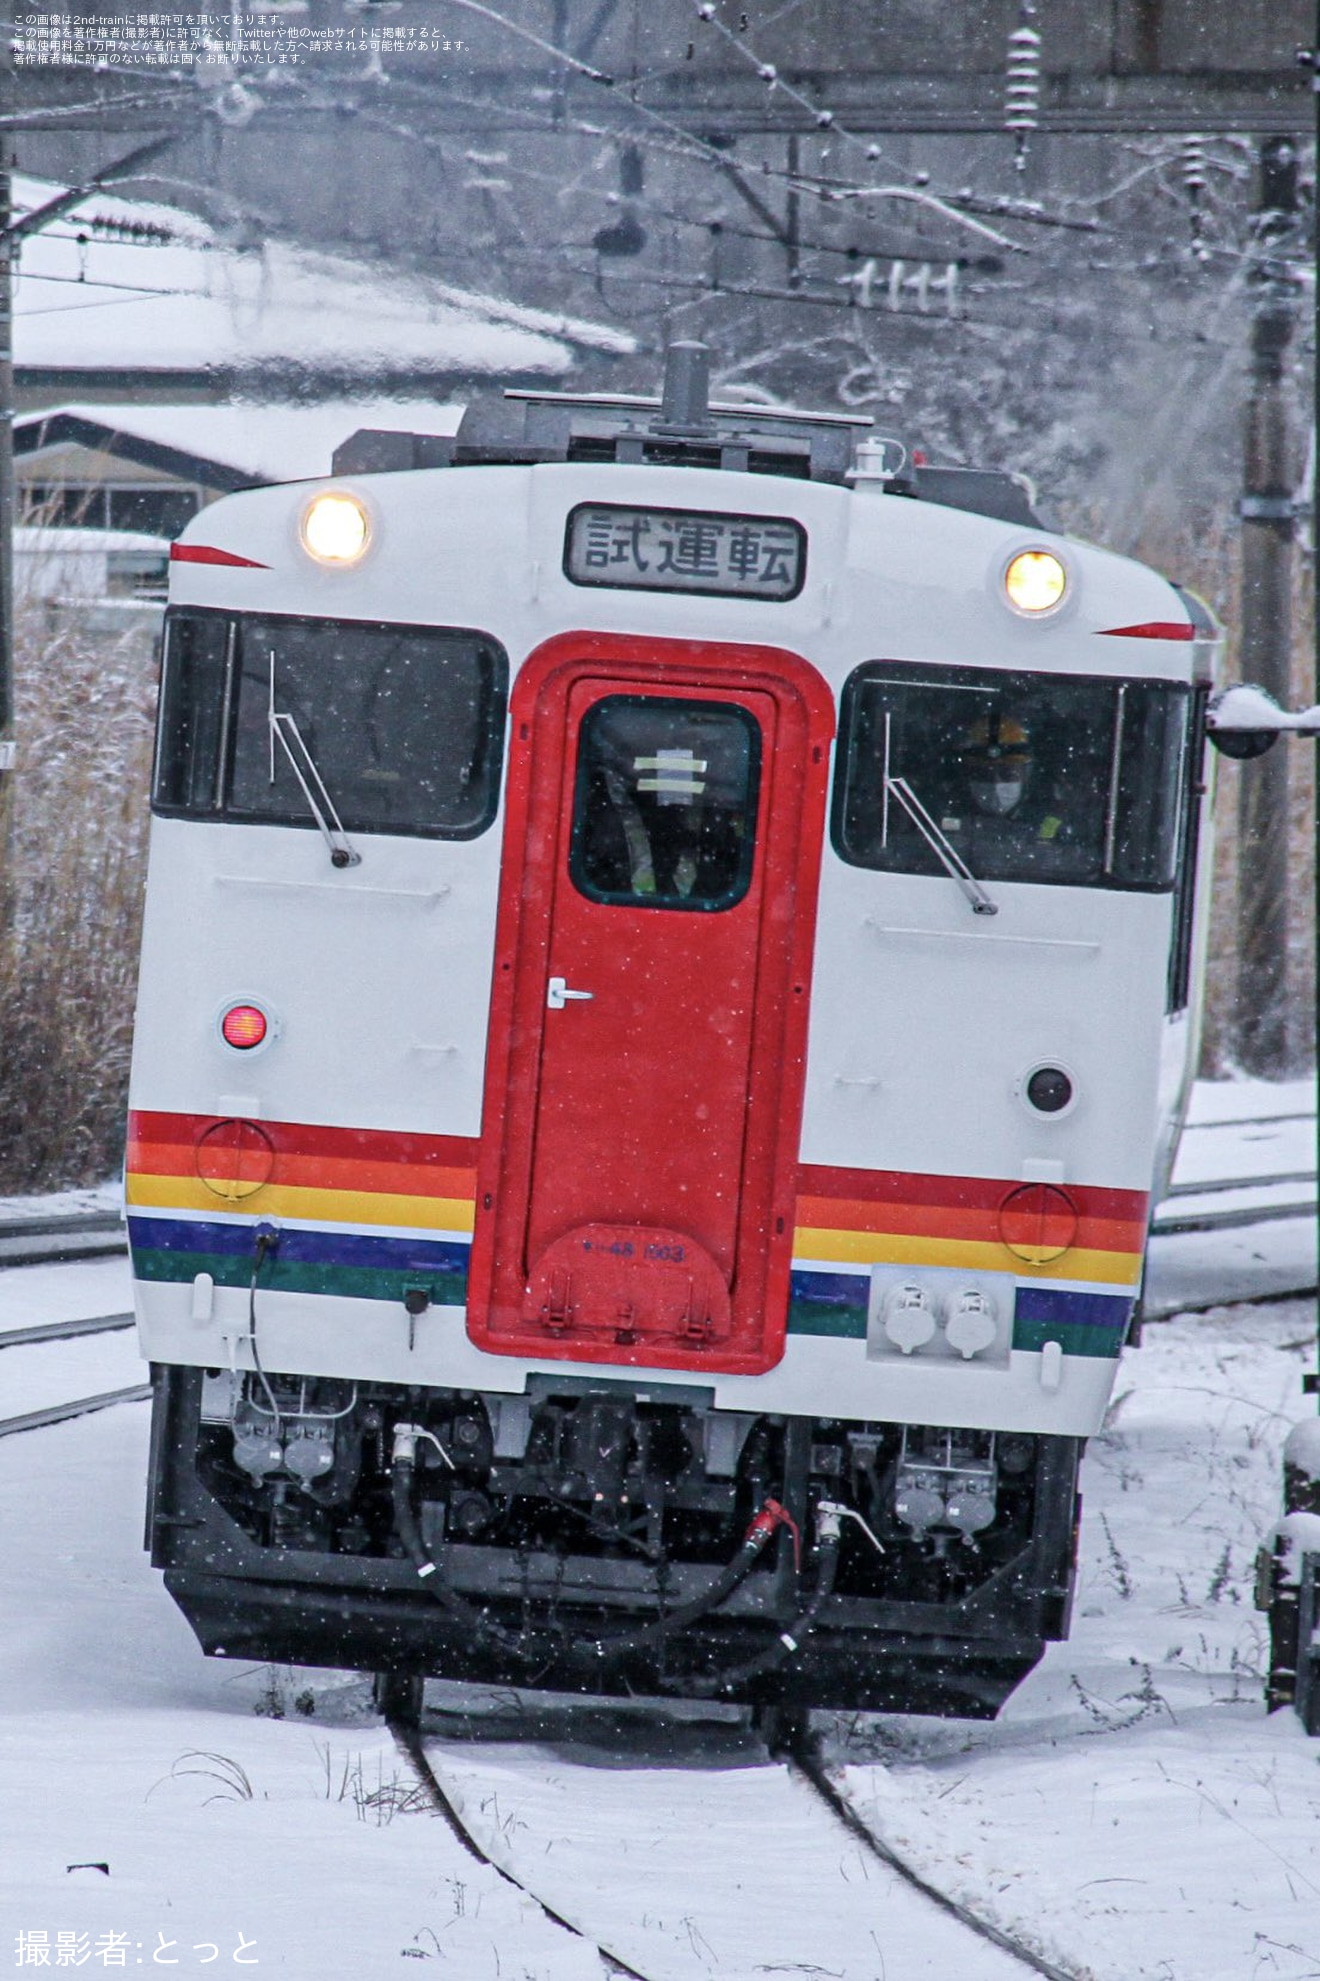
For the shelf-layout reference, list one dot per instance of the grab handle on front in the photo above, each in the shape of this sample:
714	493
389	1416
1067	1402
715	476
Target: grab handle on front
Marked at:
557	994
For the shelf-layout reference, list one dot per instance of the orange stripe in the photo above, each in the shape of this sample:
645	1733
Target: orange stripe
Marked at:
932	1221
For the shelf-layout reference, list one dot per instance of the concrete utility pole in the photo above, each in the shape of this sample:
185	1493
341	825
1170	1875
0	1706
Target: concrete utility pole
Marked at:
1266	628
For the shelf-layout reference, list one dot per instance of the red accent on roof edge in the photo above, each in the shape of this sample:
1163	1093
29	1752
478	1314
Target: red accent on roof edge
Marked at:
1151	629
202	553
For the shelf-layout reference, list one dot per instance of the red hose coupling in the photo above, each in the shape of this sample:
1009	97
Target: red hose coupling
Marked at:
771	1517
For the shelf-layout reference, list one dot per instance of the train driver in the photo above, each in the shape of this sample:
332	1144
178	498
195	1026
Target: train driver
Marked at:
1004	802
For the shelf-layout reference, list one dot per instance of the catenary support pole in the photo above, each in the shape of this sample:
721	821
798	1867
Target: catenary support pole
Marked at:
1262	1043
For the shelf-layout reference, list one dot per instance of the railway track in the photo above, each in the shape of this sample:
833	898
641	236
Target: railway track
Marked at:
409	1740
1169	1222
61	1237
793	1868
42	1333
58	1413
65	1330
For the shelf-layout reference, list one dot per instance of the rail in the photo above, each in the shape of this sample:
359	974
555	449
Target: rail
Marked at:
61	1237
64	1330
802	1767
58	1413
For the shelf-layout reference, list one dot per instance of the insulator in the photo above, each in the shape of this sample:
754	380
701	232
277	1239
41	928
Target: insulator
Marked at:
1194	165
1022	87
917	279
1195	178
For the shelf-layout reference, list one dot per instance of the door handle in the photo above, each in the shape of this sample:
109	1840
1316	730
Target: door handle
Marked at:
557	994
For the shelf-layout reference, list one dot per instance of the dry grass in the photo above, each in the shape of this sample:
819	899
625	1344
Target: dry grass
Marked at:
71	894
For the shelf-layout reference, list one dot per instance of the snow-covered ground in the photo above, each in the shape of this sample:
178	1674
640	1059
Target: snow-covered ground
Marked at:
1134	1814
1240	1129
1134	1805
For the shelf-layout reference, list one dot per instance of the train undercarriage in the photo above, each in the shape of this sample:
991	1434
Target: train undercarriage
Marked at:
604	1538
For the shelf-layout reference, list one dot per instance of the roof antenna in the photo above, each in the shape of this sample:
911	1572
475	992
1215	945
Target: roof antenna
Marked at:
685	405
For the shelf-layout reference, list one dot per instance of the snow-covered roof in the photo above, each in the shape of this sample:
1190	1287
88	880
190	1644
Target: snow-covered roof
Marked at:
52	540
253	443
126	285
72	566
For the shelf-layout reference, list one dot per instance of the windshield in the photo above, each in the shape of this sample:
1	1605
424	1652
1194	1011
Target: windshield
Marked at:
665	804
1028	777
403	723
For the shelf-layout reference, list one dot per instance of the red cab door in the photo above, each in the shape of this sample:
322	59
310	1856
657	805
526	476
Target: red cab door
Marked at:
648	1020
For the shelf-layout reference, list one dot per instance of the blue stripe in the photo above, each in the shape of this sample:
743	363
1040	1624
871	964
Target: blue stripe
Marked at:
833	1289
329	1247
1052	1303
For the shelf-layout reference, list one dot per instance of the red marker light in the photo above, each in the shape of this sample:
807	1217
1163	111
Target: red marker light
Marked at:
243	1026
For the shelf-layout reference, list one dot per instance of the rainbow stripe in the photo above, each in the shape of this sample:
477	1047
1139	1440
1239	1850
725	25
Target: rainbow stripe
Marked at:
851	1219
324	1186
372	1214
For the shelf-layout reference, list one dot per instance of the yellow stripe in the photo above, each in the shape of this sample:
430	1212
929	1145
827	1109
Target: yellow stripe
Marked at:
894	1249
189	1193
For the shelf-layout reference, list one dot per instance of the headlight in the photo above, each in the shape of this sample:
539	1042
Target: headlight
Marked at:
1035	581
334	528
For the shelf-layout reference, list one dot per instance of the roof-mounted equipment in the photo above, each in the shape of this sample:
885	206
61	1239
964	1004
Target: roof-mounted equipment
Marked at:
527	427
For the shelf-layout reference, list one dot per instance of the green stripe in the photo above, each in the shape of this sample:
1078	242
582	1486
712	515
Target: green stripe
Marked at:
280	1276
821	1318
825	1317
1073	1337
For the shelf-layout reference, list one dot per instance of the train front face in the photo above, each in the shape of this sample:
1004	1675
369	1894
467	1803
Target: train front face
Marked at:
630	1189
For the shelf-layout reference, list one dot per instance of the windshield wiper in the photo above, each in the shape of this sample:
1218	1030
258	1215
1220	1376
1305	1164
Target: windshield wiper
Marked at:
948	855
282	728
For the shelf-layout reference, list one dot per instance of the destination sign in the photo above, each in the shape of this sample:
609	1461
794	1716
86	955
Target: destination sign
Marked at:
686	550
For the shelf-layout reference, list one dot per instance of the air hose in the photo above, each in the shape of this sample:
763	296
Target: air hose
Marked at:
771	1517
789	1640
768	1521
403	1466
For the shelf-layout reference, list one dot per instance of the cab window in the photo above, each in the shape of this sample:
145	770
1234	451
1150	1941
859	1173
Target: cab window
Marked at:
402	723
1024	777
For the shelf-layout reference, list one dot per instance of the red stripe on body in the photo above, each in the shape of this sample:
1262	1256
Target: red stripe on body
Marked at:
205	553
868	1189
1150	629
318	1157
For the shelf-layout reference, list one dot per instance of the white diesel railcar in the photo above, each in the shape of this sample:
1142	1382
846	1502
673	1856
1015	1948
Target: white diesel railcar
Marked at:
668	987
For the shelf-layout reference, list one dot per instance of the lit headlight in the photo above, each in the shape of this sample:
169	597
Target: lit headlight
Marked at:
1035	581
334	528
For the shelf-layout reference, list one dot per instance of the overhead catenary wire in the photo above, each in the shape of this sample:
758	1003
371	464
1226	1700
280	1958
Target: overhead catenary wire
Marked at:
948	203
686	145
769	73
706	224
1005	206
1077	214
